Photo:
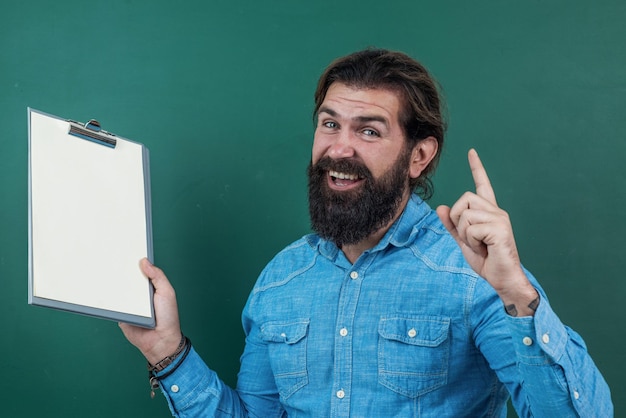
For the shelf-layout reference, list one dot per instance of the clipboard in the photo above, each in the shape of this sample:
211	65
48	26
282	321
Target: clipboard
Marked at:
89	221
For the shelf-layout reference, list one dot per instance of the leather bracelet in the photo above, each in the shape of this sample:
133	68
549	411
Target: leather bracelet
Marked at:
153	379
161	365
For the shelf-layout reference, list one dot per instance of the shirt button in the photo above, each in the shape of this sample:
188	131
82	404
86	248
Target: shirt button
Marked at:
343	332
354	275
527	341
174	388
412	333
576	395
341	394
283	335
545	338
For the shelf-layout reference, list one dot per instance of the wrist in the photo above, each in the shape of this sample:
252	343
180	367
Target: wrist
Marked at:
165	347
519	296
169	359
524	302
154	371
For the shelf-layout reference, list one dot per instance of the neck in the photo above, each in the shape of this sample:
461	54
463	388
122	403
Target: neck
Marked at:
354	251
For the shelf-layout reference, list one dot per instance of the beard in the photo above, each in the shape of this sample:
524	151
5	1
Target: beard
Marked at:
348	217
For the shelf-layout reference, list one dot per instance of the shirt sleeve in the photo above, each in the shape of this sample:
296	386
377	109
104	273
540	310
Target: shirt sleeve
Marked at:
558	376
194	390
544	364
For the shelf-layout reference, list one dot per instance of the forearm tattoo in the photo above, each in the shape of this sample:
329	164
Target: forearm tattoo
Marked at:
512	310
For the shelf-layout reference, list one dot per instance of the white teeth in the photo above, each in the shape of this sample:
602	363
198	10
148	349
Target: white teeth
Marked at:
343	176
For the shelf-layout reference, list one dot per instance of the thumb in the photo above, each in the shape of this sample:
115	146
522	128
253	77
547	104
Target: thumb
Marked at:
444	215
155	274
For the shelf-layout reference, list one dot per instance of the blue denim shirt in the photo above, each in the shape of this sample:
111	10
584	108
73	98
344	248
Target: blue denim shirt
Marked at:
408	330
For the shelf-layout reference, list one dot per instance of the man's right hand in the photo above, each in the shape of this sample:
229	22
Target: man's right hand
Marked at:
162	341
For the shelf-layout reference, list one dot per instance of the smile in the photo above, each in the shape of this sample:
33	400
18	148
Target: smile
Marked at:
343	181
343	176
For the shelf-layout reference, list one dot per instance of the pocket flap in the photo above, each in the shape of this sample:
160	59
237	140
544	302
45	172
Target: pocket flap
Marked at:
425	331
284	332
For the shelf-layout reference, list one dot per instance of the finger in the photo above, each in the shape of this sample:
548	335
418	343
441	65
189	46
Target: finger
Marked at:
129	330
444	215
481	180
469	209
469	217
459	232
475	238
155	274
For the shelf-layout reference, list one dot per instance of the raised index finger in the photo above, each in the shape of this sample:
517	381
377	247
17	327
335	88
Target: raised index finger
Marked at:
481	180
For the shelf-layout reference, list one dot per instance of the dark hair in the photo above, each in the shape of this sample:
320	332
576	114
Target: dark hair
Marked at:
421	113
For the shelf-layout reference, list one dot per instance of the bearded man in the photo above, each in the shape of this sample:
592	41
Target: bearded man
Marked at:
389	308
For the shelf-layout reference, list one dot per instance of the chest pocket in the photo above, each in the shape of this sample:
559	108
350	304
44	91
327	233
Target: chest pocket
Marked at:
286	345
413	353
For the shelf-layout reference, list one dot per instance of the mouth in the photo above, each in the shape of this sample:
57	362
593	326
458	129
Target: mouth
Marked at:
343	181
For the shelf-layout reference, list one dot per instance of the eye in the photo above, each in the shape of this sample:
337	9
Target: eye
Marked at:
370	132
330	124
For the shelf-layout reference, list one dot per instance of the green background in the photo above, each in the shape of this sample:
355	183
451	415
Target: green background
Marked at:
221	93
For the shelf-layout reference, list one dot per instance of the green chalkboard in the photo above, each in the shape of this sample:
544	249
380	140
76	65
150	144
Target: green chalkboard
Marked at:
221	93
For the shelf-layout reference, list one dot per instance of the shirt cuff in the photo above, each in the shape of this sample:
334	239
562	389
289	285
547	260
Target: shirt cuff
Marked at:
539	339
190	375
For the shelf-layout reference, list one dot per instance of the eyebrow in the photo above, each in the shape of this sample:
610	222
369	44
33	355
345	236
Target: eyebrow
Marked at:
361	119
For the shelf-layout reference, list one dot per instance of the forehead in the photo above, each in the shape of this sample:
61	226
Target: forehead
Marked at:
350	102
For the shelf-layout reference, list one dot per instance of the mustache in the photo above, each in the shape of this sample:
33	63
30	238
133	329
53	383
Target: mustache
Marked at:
348	166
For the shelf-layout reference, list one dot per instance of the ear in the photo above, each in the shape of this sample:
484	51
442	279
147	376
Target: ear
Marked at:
422	154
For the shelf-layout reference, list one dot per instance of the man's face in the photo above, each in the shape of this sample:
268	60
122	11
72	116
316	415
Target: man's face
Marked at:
358	178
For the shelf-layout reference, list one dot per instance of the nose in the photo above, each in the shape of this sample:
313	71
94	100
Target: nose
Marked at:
342	146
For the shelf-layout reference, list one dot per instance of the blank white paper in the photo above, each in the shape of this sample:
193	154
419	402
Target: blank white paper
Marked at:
89	220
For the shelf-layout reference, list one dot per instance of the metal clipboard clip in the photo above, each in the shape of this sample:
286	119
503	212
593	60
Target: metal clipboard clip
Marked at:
91	131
